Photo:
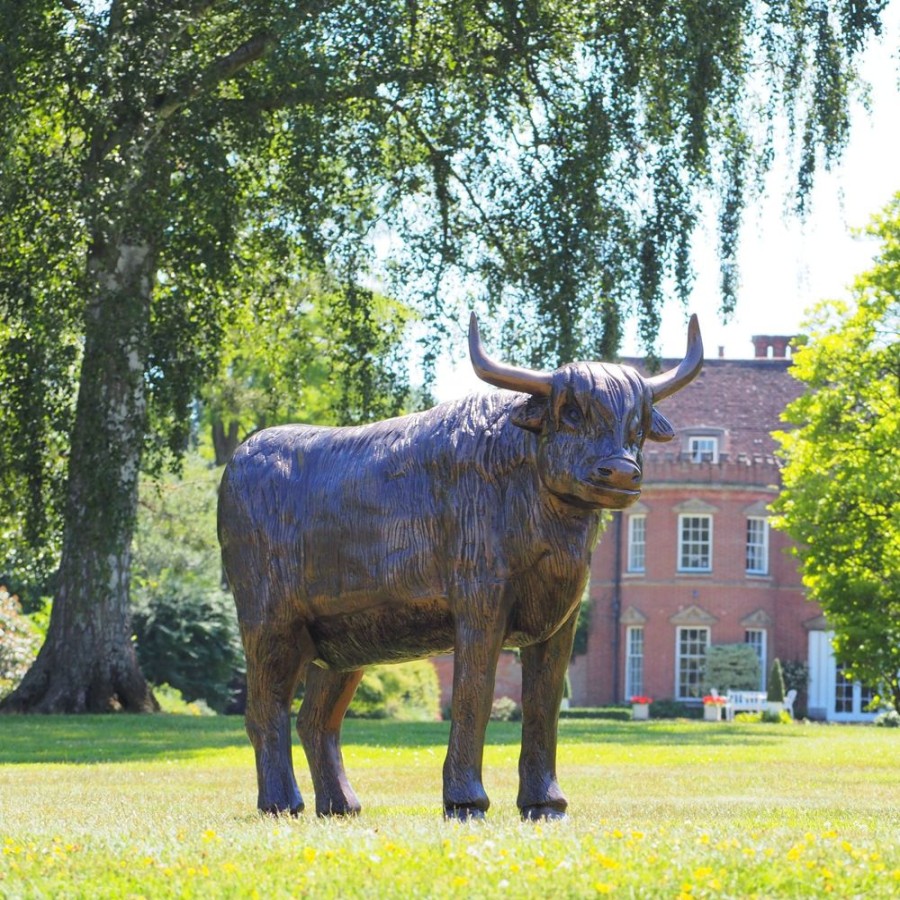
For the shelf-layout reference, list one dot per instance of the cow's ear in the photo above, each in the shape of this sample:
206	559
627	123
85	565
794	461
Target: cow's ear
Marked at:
660	428
531	414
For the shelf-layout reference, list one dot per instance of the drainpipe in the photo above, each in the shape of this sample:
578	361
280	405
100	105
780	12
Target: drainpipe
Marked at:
617	604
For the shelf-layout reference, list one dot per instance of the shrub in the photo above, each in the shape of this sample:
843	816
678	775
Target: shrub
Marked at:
505	709
583	626
615	713
732	667
187	637
19	642
406	691
673	709
776	683
185	624
172	701
888	719
782	717
796	677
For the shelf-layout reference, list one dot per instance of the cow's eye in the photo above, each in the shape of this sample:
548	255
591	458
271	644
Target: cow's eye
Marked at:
572	415
637	432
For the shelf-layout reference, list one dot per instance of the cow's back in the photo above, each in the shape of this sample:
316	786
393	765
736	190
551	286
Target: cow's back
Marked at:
364	533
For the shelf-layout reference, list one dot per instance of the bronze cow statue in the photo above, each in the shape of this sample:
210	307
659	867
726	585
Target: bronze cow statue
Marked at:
468	527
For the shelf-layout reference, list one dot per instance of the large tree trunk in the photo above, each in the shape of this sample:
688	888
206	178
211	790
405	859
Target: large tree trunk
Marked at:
88	662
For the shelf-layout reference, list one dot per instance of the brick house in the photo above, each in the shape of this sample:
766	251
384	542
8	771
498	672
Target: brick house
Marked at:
694	562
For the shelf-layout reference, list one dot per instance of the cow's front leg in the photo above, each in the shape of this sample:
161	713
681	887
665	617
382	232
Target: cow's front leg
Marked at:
327	696
477	649
543	680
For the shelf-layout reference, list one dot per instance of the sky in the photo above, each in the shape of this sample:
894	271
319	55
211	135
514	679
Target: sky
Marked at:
786	265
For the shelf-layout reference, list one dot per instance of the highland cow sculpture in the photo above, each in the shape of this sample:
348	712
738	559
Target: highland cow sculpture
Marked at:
468	527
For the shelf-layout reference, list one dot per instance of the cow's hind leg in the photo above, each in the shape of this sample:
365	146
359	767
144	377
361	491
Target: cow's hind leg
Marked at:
543	679
325	700
275	662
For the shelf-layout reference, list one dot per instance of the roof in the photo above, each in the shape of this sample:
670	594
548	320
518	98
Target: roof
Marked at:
742	397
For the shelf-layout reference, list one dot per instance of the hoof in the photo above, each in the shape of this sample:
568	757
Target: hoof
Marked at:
542	813
338	809
463	813
276	811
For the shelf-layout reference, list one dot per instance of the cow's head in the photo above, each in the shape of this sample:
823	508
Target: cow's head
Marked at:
591	419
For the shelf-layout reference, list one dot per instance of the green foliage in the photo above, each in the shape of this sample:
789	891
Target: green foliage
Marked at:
172	701
768	717
775	691
505	709
841	480
796	675
612	713
408	692
888	719
732	667
287	357
19	641
185	623
673	709
187	636
558	153
583	627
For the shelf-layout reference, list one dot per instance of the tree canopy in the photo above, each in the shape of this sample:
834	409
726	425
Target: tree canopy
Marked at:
543	158
841	496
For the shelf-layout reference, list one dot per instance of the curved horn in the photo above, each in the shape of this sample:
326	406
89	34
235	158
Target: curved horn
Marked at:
688	369
500	374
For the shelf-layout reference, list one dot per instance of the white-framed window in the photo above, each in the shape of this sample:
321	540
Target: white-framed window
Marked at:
694	543
757	545
850	697
637	543
634	661
690	661
703	448
756	638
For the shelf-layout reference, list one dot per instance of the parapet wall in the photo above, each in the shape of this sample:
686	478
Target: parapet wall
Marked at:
661	467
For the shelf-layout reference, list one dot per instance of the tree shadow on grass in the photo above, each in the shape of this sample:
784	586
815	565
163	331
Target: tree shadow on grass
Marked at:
129	738
115	738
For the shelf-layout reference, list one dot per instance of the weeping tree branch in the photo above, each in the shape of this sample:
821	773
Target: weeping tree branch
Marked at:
220	70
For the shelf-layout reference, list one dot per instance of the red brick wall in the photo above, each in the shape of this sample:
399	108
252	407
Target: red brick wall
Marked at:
508	682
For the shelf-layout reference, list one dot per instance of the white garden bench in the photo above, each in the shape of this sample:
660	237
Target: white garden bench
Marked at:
744	701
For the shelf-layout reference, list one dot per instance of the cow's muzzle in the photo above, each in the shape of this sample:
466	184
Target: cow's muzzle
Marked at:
618	474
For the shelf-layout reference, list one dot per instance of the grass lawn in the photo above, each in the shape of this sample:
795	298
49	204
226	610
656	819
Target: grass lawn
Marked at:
164	806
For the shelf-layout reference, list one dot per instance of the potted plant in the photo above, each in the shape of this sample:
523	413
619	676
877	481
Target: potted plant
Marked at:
640	707
713	705
775	690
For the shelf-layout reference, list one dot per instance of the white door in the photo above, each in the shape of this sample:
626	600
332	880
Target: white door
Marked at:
831	696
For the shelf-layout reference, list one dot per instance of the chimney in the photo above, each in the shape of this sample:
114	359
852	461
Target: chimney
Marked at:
770	346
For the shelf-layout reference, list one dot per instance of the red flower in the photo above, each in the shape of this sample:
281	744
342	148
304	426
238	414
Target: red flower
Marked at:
709	700
640	699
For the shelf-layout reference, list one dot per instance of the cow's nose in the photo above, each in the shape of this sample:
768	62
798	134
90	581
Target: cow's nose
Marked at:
619	473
